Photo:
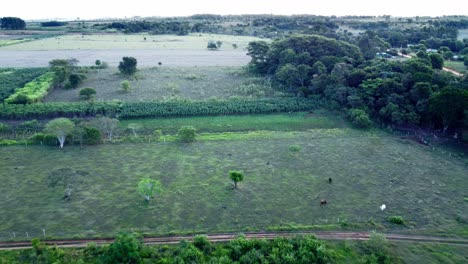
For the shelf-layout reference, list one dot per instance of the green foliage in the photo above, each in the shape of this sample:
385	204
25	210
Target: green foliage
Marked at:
147	187
60	127
4	128
12	23
376	249
92	136
437	61
128	65
449	105
161	109
35	90
294	148
125	86
396	220
360	118
11	79
236	176
75	79
125	249
187	134
87	93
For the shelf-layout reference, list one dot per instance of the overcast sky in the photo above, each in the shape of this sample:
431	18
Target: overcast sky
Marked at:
88	9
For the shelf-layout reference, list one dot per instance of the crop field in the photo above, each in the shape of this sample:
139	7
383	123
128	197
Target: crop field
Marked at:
171	50
162	83
286	176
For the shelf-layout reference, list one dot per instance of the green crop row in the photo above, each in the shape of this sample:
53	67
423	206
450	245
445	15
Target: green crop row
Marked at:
34	90
159	109
11	79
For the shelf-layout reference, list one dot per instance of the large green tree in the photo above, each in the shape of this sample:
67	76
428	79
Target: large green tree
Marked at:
128	65
13	23
449	105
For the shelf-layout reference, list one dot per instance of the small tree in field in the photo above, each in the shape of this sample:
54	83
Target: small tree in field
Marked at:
187	134
87	93
236	176
212	45
60	128
125	86
148	187
128	65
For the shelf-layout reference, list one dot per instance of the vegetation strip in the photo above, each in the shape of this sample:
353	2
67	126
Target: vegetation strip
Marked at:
225	237
160	109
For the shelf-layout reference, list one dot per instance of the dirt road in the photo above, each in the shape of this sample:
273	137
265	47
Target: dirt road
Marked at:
325	235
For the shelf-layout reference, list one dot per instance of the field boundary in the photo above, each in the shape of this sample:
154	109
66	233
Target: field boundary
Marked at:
226	237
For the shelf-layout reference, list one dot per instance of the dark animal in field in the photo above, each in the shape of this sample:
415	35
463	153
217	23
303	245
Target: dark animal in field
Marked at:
323	202
330	180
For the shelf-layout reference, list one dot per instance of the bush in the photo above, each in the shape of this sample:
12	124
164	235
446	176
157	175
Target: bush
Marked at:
187	134
74	80
359	118
31	125
125	86
92	136
157	134
20	99
396	220
87	93
294	148
212	45
128	65
46	139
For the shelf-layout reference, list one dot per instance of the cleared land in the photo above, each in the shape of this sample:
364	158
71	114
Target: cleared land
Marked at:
169	49
161	83
282	188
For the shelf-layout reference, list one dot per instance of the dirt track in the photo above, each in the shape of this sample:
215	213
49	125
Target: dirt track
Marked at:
325	235
146	58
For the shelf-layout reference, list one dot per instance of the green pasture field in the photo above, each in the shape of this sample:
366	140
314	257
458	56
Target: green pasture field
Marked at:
282	188
132	41
163	83
298	121
456	65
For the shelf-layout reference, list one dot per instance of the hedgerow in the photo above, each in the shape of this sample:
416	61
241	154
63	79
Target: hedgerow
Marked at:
34	90
11	79
160	109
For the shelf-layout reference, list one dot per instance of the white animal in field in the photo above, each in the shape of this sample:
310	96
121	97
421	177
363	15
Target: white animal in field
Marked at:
382	207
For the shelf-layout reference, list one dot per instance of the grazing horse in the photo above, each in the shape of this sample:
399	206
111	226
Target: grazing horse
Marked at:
330	180
323	202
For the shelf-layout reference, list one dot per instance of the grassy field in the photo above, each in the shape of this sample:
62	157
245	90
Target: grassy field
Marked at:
456	65
137	41
163	83
282	188
299	121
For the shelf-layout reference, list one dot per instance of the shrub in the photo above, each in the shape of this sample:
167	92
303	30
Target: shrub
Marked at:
157	134
46	139
125	86
187	134
92	136
396	219
128	65
20	99
212	45
359	118
31	125
87	93
294	148
74	80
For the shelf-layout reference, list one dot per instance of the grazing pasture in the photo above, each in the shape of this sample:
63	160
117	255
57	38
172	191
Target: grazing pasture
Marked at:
162	83
282	188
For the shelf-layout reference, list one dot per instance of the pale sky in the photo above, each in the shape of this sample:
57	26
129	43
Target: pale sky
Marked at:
89	9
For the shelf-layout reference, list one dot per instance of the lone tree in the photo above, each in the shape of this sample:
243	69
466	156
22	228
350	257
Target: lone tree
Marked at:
87	93
148	187
106	125
236	176
128	65
60	127
212	45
